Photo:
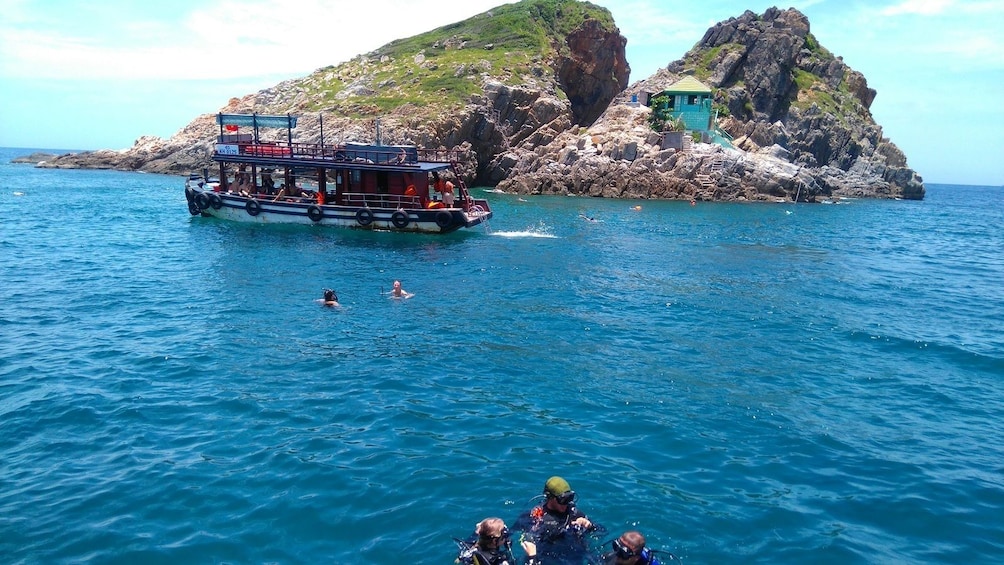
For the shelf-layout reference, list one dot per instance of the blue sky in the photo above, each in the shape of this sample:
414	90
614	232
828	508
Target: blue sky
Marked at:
97	75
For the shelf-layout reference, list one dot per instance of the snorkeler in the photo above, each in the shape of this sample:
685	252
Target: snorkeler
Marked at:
330	298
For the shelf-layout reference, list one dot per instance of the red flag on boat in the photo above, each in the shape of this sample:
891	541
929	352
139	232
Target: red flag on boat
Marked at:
231	127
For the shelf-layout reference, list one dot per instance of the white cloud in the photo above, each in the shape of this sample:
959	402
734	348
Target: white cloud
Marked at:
226	39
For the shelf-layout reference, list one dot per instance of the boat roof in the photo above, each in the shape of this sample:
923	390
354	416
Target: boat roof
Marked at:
257	120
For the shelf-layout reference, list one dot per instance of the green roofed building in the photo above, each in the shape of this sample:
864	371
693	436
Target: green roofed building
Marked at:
690	99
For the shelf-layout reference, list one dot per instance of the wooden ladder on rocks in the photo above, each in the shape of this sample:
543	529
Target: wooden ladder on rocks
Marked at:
707	180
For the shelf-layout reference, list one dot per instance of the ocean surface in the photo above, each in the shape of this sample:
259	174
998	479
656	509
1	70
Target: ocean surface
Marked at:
765	383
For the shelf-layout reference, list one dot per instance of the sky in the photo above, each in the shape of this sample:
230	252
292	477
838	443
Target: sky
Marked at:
98	75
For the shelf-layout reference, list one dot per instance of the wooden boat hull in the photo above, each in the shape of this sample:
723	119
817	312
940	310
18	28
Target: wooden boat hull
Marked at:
265	210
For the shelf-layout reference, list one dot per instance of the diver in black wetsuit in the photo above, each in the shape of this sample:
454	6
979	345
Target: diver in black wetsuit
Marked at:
555	532
491	545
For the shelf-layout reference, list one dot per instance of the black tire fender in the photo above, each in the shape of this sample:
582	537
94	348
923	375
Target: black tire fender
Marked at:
215	201
364	216
443	218
253	207
315	213
194	209
202	201
399	219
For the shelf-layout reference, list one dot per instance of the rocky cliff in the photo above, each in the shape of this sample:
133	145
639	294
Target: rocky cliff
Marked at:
535	94
799	118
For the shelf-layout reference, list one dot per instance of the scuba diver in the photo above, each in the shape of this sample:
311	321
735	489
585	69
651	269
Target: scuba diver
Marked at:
490	545
629	549
555	532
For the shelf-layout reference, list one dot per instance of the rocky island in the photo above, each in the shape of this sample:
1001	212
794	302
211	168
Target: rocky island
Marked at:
536	94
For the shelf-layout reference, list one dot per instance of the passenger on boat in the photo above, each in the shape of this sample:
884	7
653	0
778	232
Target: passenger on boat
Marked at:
448	195
330	298
490	545
445	188
629	549
267	183
555	531
398	292
437	183
243	179
290	191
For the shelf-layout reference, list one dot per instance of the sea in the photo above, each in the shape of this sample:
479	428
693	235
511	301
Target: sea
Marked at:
740	382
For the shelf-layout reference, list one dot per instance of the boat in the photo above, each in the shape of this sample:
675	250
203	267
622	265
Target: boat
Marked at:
266	177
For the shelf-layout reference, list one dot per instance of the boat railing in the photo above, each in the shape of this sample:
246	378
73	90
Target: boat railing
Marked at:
381	200
381	155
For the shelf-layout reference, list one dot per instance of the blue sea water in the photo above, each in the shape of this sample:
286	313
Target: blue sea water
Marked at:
785	383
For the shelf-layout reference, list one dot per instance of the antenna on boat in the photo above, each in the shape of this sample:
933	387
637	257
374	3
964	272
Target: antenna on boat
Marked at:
378	140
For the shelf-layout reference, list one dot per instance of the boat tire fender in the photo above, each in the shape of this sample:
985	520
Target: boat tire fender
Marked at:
253	207
189	193
443	218
315	213
399	219
202	201
194	209
364	216
215	201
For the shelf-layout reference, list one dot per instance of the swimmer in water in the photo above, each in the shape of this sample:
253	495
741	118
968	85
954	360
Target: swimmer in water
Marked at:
330	298
398	292
637	208
587	218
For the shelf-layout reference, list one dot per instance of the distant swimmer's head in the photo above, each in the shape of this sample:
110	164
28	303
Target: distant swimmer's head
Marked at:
397	285
330	296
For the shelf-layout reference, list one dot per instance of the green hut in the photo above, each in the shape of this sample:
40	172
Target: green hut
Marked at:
690	99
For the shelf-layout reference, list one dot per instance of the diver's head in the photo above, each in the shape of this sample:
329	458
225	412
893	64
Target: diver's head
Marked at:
558	493
630	548
491	532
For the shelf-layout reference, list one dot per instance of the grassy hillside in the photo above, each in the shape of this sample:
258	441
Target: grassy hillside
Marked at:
442	68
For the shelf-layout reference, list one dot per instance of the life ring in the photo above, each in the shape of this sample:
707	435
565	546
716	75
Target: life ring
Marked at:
315	213
443	218
399	219
202	201
215	201
194	209
364	216
253	207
